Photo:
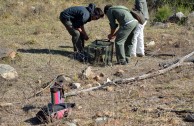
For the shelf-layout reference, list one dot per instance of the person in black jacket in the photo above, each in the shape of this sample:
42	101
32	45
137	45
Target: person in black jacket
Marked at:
74	18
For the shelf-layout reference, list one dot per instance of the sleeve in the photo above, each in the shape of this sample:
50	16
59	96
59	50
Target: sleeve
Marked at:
112	21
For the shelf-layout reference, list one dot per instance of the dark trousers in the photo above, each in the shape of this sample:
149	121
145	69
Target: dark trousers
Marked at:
77	37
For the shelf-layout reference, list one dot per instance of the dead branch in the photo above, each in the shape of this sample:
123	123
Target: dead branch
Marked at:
176	110
43	89
161	54
131	79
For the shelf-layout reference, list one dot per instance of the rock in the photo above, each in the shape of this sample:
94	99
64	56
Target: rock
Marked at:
70	124
87	73
12	55
97	78
110	89
7	72
119	73
101	121
108	80
150	44
89	85
174	121
38	81
67	79
180	15
79	107
101	75
109	114
75	85
99	114
96	84
5	52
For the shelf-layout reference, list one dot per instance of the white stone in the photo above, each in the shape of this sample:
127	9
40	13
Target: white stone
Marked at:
75	85
151	44
7	72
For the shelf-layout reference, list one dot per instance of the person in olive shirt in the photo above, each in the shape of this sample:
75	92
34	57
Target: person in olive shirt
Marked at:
74	18
123	35
138	41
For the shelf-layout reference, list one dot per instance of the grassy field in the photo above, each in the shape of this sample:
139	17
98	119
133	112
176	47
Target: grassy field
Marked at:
44	50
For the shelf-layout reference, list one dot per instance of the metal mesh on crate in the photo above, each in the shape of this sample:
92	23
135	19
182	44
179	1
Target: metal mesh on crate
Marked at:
101	51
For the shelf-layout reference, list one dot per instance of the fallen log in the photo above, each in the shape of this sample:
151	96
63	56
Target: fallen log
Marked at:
136	78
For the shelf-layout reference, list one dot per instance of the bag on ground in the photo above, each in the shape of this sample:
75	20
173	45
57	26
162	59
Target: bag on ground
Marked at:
52	112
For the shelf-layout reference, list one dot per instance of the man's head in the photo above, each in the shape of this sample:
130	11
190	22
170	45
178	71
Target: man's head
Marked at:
98	13
106	8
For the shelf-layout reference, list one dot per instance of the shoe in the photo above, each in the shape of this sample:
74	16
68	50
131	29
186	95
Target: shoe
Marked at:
122	63
127	60
133	55
140	55
189	118
80	57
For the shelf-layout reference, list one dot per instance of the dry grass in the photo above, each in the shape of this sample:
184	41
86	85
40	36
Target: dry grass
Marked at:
44	51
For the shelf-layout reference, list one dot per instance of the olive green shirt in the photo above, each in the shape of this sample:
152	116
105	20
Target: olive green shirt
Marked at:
120	14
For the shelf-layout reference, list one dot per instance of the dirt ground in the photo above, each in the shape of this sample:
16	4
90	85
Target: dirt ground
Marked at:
44	54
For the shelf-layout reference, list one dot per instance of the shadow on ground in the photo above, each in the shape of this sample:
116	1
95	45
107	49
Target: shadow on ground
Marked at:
66	47
68	54
47	51
33	121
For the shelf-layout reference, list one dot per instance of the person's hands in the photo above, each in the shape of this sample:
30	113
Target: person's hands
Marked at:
110	36
86	37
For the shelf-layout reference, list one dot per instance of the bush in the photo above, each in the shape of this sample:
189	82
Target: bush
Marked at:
163	13
183	9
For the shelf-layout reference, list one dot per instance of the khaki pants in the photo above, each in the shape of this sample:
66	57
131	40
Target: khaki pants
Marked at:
123	41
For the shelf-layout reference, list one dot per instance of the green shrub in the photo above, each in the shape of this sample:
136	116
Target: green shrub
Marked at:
163	13
185	10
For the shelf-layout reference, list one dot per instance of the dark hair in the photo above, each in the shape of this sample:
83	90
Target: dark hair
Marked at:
107	7
98	12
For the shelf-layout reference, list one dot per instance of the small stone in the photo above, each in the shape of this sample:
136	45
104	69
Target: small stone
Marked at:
97	78
38	82
101	121
99	114
151	44
79	107
7	72
87	73
101	75
110	89
89	85
12	55
119	73
75	85
108	114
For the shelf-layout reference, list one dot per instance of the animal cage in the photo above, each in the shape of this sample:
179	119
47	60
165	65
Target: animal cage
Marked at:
101	51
